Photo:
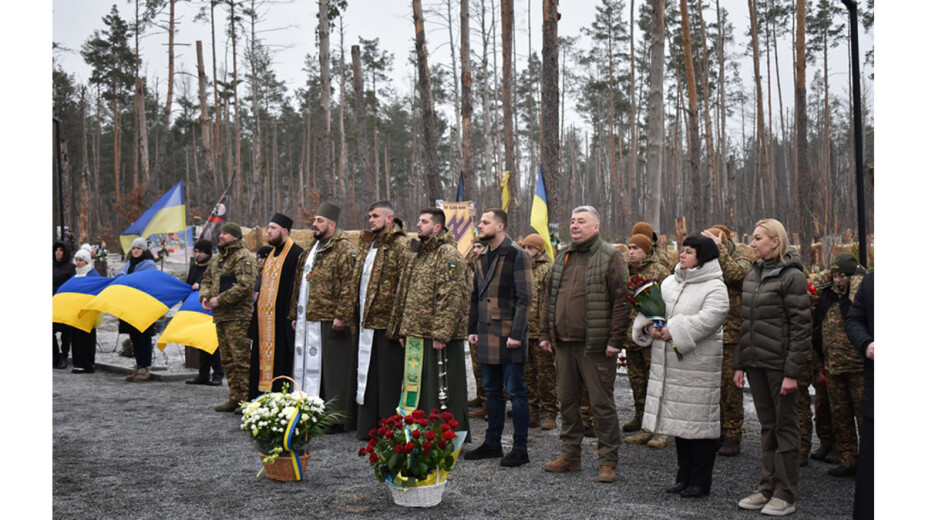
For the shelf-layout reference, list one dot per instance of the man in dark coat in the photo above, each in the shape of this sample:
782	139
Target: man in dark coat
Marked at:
501	296
271	354
202	254
859	326
63	270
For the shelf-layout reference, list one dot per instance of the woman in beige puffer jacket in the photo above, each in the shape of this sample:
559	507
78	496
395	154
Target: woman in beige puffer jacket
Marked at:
683	395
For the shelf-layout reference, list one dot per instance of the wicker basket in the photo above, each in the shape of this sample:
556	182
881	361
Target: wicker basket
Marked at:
419	496
282	468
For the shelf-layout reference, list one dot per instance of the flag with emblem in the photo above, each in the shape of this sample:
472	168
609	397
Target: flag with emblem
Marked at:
459	223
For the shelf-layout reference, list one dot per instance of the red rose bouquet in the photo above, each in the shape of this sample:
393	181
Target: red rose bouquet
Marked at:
410	450
646	297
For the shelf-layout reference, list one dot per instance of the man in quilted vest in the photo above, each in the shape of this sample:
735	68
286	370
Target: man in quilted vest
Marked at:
585	319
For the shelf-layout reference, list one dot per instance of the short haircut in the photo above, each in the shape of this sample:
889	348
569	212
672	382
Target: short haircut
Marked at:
437	214
706	248
500	215
381	204
776	230
588	209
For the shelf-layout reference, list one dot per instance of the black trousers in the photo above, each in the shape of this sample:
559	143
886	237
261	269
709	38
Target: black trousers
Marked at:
864	482
84	344
65	348
695	461
213	361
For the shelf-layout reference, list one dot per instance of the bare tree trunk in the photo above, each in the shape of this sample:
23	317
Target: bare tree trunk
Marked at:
469	187
710	177
550	100
507	37
634	150
432	173
360	121
785	203
257	141
388	174
486	103
342	152
205	122
237	111
217	131
141	133
761	172
698	219
84	221
161	151
324	163
655	132
195	189
772	171
117	145
455	72
721	160
805	181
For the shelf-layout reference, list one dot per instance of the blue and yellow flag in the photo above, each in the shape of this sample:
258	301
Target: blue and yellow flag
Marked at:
167	215
69	300
191	325
539	214
139	298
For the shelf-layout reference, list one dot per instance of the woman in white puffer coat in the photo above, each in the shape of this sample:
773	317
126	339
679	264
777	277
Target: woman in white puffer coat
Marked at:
683	395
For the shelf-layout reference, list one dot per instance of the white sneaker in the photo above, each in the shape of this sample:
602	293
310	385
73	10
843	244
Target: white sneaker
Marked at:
778	507
755	501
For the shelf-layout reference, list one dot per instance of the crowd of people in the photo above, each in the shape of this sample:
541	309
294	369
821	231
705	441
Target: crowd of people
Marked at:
381	322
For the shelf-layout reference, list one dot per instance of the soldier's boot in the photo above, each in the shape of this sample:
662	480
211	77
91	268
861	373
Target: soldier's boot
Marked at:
534	418
607	474
658	441
825	447
633	425
834	457
640	437
144	374
228	406
731	446
563	465
131	377
548	422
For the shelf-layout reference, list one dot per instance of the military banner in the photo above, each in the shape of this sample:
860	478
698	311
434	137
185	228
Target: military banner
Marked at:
460	221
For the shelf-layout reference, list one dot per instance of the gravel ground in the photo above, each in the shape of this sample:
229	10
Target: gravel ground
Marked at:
158	450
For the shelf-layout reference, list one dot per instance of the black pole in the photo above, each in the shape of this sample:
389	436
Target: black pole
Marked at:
858	130
60	176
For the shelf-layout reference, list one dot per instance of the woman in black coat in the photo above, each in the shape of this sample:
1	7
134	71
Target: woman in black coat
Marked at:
63	270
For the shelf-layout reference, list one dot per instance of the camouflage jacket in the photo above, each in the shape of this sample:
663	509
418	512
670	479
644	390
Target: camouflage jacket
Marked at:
665	258
829	308
650	268
235	265
332	294
735	260
433	296
385	274
542	265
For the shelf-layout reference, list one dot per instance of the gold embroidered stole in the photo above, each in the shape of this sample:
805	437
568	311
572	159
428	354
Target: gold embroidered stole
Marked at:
266	315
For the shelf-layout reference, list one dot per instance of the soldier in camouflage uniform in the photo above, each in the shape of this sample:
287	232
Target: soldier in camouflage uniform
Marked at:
735	261
323	309
227	289
432	303
641	263
664	257
479	400
843	363
541	367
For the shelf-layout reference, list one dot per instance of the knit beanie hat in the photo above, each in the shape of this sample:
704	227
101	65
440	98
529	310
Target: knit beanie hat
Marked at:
844	263
725	229
718	232
233	229
535	241
83	254
644	228
642	242
204	245
140	243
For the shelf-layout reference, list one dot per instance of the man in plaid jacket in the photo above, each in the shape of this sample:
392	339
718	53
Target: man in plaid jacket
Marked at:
501	296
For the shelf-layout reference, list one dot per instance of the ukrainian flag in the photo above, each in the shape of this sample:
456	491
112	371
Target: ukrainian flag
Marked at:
69	300
167	215
539	214
139	298
191	325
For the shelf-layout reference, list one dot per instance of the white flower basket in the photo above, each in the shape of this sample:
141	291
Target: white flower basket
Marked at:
419	496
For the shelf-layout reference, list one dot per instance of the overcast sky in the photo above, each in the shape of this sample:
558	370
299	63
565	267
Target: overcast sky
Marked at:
289	28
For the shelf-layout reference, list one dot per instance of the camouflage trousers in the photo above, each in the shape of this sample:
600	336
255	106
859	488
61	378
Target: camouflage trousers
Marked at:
845	392
234	346
823	417
540	371
637	368
477	371
732	413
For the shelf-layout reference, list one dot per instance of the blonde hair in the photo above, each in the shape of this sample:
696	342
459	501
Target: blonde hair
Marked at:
776	230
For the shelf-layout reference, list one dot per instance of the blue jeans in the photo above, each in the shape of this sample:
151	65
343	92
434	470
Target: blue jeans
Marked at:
512	377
